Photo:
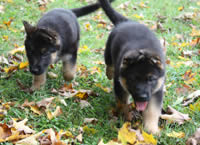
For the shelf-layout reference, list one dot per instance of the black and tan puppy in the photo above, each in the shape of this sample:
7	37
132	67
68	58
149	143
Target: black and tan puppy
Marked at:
56	37
135	60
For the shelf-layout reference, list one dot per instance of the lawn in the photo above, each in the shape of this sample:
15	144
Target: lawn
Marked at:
176	23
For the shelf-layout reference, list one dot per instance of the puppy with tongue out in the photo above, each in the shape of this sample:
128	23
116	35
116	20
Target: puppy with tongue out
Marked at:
135	59
141	75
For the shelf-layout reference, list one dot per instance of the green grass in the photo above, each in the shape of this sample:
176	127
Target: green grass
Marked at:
73	116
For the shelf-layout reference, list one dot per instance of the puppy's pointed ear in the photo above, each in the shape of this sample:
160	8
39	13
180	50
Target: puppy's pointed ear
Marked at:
29	29
129	58
48	35
156	61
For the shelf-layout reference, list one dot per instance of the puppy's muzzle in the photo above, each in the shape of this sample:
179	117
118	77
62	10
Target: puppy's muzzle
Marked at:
35	70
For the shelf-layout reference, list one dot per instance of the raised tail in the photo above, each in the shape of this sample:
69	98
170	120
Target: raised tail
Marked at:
113	15
87	9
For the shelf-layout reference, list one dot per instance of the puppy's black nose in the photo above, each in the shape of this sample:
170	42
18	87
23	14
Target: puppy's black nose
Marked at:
144	95
34	70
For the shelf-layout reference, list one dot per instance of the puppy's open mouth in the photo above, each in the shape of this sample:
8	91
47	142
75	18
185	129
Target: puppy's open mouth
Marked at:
141	106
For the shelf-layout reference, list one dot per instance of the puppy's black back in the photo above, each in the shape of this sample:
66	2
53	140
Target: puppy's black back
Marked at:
63	22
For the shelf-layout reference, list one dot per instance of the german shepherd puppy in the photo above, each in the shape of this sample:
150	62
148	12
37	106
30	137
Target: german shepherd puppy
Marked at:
136	61
56	37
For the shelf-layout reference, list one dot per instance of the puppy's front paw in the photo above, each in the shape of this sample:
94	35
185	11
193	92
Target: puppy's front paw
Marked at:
154	129
38	81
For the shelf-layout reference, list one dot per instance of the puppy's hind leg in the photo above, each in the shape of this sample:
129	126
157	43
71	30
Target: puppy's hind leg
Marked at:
69	66
152	113
38	81
108	61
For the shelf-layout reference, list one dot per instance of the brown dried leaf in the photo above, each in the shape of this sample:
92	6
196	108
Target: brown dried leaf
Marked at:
24	88
175	116
84	104
191	98
27	103
5	131
194	139
45	102
90	120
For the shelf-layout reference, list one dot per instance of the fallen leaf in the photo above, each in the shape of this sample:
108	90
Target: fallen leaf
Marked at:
23	65
90	120
84	104
191	98
31	140
138	16
35	109
45	102
125	135
17	50
56	113
148	138
175	116
20	126
88	130
80	138
5	131
176	134
180	8
52	75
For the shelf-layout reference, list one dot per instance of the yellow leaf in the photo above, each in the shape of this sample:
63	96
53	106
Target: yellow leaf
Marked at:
35	110
88	130
184	44
142	5
13	30
17	50
176	134
5	37
108	90
82	95
49	115
180	8
125	135
148	138
88	26
190	81
183	58
174	43
83	49
10	69
56	113
23	65
138	16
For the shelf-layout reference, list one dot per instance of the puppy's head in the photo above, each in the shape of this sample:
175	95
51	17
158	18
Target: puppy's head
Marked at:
141	74
41	45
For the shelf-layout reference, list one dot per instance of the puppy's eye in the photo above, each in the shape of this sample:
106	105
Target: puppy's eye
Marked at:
43	50
151	78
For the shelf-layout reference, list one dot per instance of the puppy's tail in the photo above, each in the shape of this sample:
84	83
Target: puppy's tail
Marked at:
87	9
113	15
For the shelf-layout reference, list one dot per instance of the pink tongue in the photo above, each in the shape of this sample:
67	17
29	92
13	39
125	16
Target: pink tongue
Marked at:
141	106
